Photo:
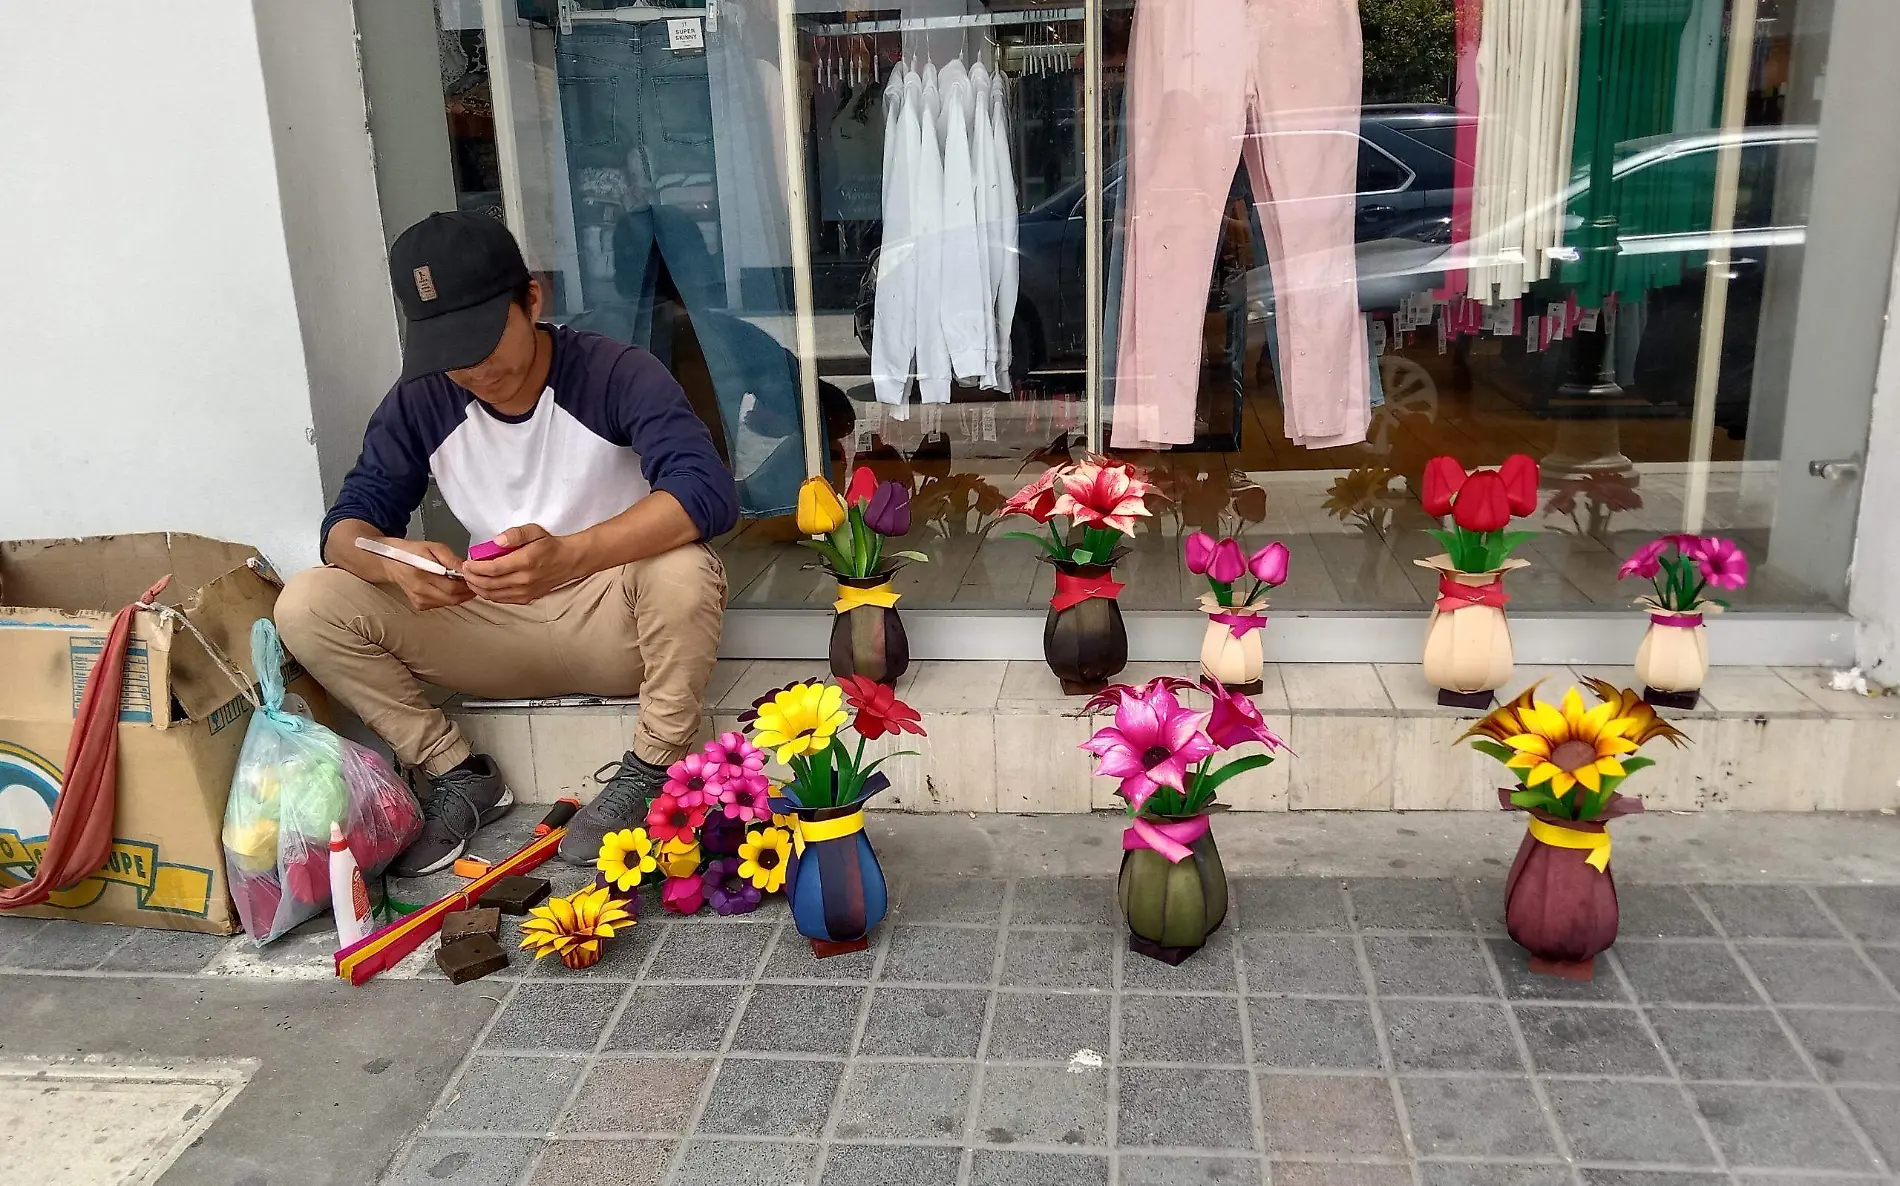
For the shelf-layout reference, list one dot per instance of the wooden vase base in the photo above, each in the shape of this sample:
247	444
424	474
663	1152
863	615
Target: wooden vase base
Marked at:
1565	969
1451	699
824	949
1073	688
1252	689
1682	700
1171	956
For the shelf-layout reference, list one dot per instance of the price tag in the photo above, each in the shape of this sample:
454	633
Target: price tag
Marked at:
686	34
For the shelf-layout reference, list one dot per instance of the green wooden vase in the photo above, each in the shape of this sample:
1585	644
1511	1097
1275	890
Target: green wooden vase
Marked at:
1172	907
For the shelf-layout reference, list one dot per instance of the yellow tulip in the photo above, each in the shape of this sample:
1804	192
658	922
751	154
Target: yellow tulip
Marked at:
819	511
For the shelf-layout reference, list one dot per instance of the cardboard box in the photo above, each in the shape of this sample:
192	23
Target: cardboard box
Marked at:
181	718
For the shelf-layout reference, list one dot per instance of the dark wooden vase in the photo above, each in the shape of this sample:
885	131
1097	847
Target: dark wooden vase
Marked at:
869	640
1086	644
1557	906
1171	908
836	887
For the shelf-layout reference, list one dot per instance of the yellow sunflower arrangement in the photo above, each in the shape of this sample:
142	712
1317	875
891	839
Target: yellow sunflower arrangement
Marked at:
763	857
1555	750
573	927
625	857
801	720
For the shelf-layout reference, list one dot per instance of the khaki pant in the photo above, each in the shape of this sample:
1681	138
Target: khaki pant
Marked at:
650	628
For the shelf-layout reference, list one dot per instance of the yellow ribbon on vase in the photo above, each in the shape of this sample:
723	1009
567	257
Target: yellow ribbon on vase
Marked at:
1558	837
850	597
832	829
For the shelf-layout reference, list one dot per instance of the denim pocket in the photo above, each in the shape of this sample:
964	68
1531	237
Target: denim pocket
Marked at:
682	108
588	107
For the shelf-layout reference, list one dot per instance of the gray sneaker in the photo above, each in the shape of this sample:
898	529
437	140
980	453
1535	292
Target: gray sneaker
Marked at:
456	806
621	803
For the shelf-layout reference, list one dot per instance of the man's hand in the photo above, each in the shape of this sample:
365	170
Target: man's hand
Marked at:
426	590
539	564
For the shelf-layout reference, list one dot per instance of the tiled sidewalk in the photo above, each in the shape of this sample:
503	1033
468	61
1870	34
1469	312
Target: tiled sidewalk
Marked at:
1333	1034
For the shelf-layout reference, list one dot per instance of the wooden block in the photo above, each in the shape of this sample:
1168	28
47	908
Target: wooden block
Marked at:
1682	700
1565	969
517	895
1252	689
1172	956
1478	700
470	958
824	949
460	924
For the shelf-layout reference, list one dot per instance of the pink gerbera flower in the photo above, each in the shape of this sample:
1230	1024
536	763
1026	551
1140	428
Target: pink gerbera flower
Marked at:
736	753
1723	563
1152	744
695	780
747	799
1094	494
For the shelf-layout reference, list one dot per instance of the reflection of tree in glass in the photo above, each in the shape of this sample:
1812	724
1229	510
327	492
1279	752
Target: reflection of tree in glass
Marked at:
1603	494
1366	496
1409	50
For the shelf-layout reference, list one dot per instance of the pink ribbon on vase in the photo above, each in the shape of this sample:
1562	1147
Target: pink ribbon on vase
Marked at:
1456	595
1240	625
1170	838
1690	620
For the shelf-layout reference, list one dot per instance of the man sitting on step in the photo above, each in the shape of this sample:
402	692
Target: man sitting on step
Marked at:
582	456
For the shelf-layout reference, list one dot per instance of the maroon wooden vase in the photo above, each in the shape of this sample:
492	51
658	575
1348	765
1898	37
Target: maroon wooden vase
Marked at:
1085	642
869	640
1557	906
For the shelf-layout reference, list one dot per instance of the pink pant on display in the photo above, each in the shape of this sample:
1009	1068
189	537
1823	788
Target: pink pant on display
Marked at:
1278	83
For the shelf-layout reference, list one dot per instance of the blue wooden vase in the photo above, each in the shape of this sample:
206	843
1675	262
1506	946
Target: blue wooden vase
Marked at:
836	888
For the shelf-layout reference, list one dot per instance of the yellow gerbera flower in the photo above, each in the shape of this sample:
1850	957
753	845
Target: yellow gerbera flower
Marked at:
1569	745
679	857
625	857
763	856
573	927
801	719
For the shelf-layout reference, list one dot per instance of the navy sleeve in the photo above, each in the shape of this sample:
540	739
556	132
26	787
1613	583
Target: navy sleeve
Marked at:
390	476
648	408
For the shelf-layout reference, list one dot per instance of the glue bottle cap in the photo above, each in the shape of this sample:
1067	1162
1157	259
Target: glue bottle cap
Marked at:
337	843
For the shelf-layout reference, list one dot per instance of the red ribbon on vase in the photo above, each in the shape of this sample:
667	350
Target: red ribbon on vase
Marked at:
1240	625
1690	620
1072	591
1454	595
1170	838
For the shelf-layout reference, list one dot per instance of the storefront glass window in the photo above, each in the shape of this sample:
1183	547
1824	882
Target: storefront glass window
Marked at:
1334	239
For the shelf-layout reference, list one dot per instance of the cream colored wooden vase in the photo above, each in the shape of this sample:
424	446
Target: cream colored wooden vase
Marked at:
1468	639
1672	661
1232	650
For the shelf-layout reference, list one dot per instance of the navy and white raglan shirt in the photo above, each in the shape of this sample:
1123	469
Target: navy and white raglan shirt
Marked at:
610	427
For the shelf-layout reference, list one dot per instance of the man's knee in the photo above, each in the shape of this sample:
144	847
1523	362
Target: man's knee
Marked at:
681	583
314	604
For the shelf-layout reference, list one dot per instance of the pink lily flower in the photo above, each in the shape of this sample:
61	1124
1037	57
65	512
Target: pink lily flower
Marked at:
1152	744
1100	495
1236	719
1269	564
1645	562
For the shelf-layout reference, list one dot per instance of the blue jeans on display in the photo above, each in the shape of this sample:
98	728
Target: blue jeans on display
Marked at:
639	138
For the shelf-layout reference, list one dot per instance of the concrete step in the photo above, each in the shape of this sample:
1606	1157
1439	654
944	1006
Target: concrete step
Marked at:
1003	738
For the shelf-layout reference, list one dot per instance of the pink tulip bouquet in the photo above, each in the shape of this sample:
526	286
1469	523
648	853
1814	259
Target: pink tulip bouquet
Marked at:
1224	564
1166	756
1231	650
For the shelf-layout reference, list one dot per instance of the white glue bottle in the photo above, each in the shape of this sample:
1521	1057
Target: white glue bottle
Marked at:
349	897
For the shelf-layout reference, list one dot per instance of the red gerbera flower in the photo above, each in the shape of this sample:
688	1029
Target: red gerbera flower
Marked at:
669	819
879	710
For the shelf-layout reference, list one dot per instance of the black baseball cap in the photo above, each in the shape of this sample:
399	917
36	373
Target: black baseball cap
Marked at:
455	275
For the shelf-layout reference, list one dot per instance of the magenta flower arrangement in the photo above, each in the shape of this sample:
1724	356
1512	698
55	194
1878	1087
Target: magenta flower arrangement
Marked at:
1673	659
1165	755
1231	649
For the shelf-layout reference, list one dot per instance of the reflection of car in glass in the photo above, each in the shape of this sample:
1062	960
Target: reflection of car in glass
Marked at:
1404	193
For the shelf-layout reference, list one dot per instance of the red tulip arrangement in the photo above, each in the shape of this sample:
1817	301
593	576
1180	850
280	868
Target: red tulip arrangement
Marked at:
1481	503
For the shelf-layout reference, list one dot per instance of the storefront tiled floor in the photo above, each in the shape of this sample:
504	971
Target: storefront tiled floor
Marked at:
1347	1033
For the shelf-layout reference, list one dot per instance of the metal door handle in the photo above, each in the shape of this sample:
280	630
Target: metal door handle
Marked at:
1845	469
